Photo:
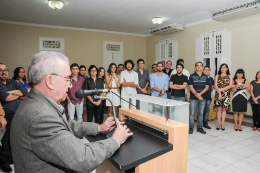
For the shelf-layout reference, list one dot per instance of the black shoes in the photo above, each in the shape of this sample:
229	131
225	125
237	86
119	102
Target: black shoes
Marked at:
217	128
5	167
201	131
207	127
191	131
223	129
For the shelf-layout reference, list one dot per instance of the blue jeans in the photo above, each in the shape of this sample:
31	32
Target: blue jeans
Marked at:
194	103
179	98
71	111
206	112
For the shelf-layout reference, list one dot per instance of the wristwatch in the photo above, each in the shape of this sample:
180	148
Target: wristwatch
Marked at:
12	92
201	93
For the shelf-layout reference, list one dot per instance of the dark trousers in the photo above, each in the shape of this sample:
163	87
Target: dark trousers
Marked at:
256	115
103	103
5	149
94	111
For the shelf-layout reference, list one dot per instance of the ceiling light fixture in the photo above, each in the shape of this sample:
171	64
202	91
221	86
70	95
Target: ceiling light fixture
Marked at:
157	20
55	4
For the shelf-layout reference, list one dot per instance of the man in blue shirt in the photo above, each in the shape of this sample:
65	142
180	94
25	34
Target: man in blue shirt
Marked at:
159	82
198	84
206	71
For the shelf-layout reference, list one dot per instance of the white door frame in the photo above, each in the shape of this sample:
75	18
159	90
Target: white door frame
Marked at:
115	47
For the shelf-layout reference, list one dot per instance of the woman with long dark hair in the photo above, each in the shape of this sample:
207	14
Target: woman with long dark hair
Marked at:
223	82
19	77
101	75
239	98
113	83
93	105
255	101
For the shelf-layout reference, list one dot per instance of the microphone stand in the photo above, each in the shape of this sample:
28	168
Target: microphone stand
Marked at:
109	134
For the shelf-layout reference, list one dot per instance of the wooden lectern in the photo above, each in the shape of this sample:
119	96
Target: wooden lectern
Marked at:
172	161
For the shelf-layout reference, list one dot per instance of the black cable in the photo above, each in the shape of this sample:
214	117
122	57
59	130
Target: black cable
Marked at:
122	98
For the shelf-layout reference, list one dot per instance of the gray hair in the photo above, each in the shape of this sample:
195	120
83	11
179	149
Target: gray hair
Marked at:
43	64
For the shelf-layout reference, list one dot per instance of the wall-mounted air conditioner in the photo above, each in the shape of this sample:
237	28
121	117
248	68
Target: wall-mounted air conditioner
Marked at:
167	29
237	11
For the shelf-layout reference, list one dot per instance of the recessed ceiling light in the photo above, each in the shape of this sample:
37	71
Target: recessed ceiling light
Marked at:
55	4
157	20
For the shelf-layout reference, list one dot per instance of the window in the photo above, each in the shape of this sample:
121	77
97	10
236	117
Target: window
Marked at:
214	48
52	44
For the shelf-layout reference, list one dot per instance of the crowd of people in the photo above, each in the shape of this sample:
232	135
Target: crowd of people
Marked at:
123	80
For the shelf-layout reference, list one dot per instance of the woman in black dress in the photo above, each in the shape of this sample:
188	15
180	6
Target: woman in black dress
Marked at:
239	99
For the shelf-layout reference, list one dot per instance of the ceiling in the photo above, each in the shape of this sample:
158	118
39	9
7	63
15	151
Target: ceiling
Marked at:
112	15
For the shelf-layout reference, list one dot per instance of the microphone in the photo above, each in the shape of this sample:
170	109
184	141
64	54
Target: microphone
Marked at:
83	93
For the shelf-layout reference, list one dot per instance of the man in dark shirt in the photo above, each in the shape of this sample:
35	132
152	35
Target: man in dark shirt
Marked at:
206	71
198	84
143	77
10	93
178	83
168	71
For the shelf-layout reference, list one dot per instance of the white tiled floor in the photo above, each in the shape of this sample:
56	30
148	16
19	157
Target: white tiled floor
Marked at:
226	151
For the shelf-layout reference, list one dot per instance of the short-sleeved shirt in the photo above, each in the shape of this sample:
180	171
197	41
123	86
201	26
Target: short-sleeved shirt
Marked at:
199	83
160	82
143	79
12	106
129	77
90	84
208	93
76	85
169	74
256	92
178	80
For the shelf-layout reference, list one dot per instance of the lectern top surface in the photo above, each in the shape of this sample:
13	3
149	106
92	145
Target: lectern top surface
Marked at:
156	100
140	148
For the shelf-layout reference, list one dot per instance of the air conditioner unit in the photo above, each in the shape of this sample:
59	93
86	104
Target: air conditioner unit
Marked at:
237	11
167	29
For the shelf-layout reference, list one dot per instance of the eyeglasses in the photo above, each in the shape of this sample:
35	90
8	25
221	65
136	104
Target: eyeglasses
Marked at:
1	71
68	79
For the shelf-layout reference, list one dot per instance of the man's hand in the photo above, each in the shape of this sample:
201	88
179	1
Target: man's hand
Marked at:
2	122
122	133
144	90
198	95
108	125
98	102
163	92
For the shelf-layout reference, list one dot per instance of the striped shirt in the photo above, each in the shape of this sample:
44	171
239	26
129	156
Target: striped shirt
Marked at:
198	83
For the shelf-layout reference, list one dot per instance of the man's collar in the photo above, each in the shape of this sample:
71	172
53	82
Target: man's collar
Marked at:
7	81
57	106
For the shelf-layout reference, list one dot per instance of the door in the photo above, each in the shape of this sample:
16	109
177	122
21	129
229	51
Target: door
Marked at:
116	58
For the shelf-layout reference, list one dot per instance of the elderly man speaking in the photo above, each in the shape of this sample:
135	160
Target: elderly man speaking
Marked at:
41	138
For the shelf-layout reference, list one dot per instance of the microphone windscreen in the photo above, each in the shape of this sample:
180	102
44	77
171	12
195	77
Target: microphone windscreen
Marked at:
79	94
